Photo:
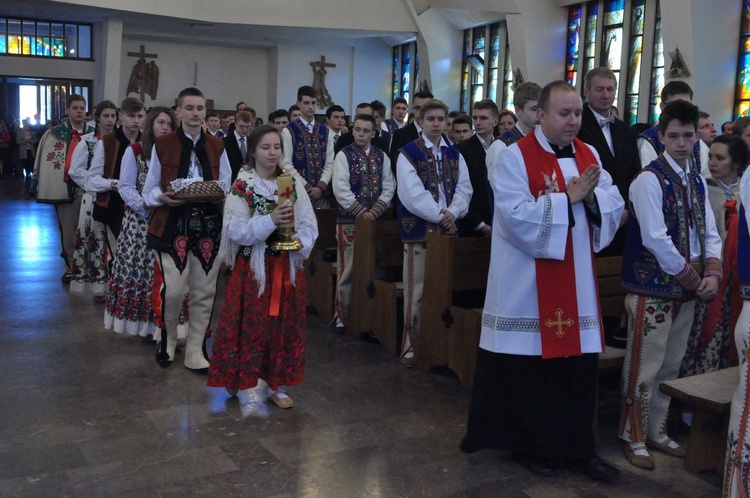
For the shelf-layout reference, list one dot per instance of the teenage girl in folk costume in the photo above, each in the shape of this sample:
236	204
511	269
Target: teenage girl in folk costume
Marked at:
260	339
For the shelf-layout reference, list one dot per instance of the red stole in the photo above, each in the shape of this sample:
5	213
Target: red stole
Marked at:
555	280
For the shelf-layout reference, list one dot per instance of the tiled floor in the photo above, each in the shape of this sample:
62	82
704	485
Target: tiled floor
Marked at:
87	412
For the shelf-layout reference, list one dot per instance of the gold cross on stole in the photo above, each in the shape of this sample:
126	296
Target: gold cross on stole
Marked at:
559	323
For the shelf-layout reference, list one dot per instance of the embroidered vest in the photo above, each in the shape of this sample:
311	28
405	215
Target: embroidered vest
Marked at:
641	272
743	255
511	136
412	227
309	150
652	136
110	208
391	124
365	178
169	150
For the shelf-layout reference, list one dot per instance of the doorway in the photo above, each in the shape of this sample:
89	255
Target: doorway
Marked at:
39	99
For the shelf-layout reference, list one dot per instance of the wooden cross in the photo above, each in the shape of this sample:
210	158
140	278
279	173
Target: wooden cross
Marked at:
142	60
321	63
559	323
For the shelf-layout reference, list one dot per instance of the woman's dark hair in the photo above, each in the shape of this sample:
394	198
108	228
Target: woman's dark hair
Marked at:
737	150
147	138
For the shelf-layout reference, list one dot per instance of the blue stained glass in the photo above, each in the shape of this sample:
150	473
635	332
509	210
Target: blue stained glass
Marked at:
574	33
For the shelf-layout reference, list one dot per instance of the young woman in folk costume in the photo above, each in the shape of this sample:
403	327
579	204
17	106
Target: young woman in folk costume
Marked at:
260	339
131	288
710	346
89	263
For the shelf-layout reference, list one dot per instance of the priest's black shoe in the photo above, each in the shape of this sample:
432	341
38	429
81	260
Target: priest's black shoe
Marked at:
597	469
536	465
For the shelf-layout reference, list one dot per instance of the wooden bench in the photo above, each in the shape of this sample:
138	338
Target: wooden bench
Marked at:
710	395
320	267
612	303
377	287
455	283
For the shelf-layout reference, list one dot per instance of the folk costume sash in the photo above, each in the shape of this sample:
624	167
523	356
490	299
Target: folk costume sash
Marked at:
556	280
75	137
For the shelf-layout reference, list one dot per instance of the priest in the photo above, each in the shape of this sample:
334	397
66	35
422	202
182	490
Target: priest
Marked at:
536	375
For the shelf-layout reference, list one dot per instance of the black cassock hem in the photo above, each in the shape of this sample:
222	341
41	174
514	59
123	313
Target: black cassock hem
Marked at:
542	408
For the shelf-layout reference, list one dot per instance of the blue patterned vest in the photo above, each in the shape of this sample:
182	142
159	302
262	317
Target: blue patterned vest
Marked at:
365	178
511	136
743	255
652	136
641	273
309	150
412	227
391	124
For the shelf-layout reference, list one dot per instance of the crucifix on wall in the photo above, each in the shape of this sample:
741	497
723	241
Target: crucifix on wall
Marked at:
319	82
144	78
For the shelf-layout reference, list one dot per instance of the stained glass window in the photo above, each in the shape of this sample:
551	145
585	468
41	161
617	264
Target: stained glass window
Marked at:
573	43
481	76
395	71
37	38
494	60
634	61
592	17
405	70
657	71
742	101
614	11
508	80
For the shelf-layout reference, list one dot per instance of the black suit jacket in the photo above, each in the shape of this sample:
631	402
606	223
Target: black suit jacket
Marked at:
480	208
625	163
622	166
348	139
233	154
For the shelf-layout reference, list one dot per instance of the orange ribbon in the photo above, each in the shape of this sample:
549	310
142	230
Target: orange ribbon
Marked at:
280	268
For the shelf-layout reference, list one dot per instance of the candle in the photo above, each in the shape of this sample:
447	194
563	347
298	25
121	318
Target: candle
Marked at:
285	186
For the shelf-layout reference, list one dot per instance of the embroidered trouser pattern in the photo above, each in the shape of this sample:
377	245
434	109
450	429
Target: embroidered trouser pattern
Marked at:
344	262
67	221
202	288
657	339
414	260
737	466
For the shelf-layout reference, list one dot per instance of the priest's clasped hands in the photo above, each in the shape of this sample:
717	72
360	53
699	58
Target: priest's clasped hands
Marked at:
582	188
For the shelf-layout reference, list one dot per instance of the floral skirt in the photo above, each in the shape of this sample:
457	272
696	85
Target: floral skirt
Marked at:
89	263
129	297
249	343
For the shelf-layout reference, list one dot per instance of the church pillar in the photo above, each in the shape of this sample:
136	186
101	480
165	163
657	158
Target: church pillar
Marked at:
110	84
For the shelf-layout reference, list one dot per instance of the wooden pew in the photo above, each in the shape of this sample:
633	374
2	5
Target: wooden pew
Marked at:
320	267
710	394
377	290
612	303
454	286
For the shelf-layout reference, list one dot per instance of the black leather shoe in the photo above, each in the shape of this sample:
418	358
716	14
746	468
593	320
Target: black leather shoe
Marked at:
597	469
201	371
536	465
163	360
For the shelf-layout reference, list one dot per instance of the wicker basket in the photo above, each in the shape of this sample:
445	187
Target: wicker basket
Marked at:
200	191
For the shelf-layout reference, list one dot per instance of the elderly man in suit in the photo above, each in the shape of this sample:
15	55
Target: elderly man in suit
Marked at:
613	140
